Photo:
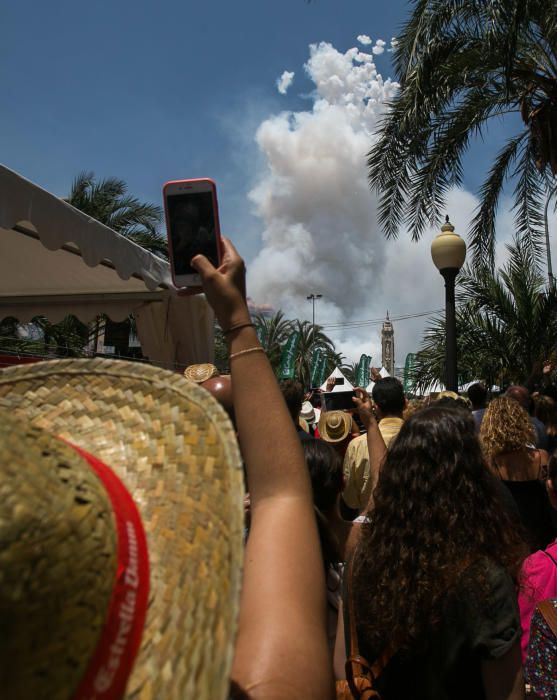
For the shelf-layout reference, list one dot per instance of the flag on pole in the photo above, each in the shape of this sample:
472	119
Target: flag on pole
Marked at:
288	356
322	371
362	373
409	367
316	362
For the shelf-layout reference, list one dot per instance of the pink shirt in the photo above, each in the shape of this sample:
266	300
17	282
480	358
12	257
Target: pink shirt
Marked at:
539	581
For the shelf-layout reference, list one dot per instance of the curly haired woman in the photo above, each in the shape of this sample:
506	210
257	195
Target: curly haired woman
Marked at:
434	569
507	437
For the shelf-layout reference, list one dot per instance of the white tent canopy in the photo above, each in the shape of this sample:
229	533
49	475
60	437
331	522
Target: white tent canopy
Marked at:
344	386
55	261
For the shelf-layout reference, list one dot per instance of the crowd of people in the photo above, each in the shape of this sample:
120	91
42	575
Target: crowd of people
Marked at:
403	548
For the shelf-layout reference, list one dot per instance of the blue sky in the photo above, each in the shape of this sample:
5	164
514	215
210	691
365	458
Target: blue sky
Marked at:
152	91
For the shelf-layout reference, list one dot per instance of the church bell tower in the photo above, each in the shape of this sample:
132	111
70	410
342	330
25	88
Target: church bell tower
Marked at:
388	346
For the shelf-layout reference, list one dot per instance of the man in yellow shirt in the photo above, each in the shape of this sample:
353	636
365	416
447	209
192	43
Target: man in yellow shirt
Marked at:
359	482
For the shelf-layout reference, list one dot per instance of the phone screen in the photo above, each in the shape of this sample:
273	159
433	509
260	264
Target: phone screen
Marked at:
338	400
191	218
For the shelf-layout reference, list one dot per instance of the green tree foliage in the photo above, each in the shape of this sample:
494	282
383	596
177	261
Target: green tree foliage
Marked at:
108	201
462	64
312	338
506	324
64	339
221	349
275	330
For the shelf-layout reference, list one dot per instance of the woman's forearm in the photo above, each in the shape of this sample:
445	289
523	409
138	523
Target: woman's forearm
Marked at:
271	448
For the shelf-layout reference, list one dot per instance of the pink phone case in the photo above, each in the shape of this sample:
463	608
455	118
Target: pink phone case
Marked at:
213	189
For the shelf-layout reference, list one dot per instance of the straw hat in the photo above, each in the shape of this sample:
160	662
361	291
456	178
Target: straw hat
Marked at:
307	412
334	426
201	373
446	394
64	537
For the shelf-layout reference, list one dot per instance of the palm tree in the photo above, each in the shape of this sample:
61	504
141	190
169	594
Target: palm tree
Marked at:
108	201
462	64
311	339
350	371
506	324
273	332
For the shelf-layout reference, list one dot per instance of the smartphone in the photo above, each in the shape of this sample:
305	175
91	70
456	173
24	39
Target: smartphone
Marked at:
192	225
338	400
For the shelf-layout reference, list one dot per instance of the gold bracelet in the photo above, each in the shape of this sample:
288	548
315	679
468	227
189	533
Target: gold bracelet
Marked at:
245	352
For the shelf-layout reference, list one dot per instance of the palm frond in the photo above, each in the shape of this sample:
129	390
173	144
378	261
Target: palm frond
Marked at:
460	64
482	231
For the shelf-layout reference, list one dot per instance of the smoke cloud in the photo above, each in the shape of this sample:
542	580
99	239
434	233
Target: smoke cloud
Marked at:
284	82
320	230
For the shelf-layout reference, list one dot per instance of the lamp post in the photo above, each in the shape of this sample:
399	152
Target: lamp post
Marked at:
547	246
313	297
448	251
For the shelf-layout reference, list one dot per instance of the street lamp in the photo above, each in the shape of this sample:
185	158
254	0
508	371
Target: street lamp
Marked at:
313	297
547	246
448	251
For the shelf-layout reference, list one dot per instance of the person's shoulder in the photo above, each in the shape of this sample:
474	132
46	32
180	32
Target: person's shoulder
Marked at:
492	619
392	420
357	442
355	453
539	562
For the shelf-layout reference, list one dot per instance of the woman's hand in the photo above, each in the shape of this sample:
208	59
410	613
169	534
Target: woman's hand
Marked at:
225	286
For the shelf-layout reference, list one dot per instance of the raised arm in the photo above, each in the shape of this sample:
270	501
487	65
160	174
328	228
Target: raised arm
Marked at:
281	649
375	443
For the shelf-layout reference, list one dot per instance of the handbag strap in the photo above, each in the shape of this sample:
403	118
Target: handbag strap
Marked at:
356	664
548	610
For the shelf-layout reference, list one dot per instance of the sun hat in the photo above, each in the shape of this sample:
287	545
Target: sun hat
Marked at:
79	440
307	412
334	426
201	373
446	394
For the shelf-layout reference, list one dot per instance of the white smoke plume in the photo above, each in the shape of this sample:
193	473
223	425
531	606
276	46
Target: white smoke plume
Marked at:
285	81
379	47
320	225
364	39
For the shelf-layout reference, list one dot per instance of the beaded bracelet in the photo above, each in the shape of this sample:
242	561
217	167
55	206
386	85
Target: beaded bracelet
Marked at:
237	327
245	352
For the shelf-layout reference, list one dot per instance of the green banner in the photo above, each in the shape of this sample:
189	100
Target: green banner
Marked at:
316	362
362	373
409	367
288	357
322	371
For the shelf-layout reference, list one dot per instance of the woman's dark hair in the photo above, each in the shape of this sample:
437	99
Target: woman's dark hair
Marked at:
438	510
325	469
